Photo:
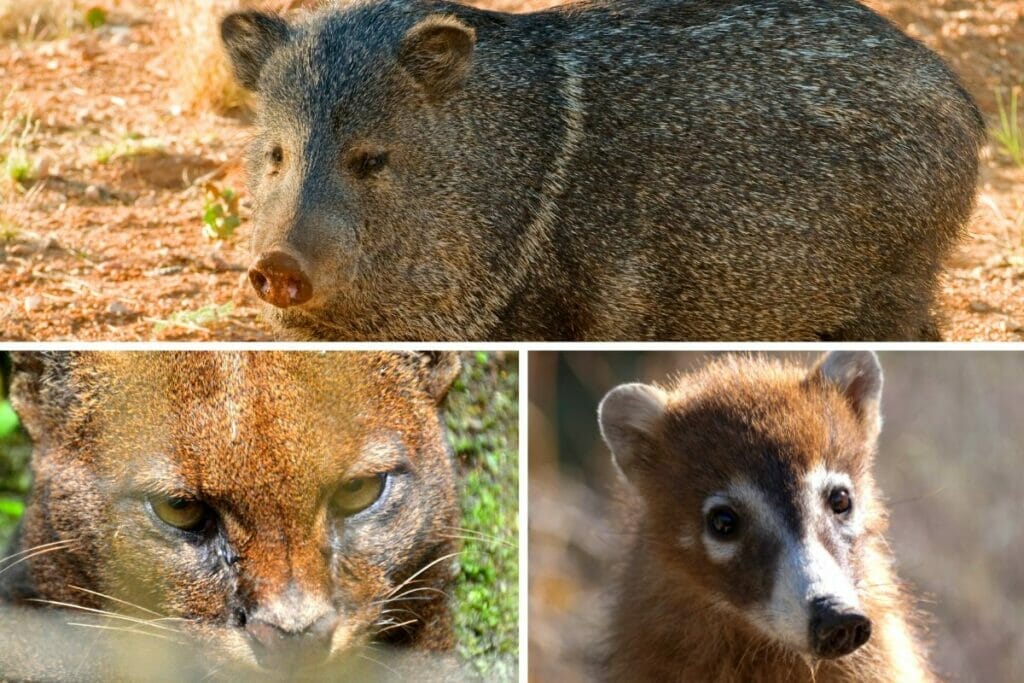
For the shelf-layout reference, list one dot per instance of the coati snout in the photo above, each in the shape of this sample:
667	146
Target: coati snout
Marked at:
836	629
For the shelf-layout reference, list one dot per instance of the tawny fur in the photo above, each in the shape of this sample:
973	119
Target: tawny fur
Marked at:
268	437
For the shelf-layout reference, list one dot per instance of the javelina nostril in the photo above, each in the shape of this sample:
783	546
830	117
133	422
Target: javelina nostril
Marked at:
279	280
836	632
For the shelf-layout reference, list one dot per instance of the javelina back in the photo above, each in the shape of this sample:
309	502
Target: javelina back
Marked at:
655	169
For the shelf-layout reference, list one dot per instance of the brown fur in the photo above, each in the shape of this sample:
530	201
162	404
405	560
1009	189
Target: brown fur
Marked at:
678	616
263	438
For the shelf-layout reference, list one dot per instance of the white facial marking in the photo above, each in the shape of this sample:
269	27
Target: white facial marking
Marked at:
806	570
819	482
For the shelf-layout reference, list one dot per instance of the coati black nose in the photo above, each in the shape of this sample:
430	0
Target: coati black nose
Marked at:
277	648
837	630
278	279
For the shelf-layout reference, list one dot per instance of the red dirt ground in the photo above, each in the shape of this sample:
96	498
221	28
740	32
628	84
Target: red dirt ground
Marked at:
116	251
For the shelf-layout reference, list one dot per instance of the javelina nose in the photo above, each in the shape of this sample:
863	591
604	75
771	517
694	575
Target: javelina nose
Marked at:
837	630
278	648
278	279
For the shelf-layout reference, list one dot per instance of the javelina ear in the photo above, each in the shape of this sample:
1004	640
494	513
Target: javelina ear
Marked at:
438	53
630	415
436	370
858	376
249	39
40	391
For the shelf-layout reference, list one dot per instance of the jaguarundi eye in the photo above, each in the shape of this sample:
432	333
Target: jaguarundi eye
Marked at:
723	522
181	513
840	502
364	163
356	495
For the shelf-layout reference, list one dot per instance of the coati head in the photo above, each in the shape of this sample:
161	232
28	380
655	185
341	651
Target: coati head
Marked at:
282	508
755	483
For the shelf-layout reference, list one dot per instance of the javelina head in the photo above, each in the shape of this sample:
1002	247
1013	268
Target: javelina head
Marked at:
276	506
354	169
756	479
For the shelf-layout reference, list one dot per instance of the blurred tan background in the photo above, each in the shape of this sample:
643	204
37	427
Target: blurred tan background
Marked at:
951	464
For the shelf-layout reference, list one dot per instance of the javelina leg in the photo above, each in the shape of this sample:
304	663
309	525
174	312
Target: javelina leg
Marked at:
889	319
930	329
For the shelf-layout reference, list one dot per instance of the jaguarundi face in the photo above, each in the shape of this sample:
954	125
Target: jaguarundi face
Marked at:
286	509
756	479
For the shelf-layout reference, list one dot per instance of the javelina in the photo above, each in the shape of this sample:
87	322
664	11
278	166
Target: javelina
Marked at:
655	169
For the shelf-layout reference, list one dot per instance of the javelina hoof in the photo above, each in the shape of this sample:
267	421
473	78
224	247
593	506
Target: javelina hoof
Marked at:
279	280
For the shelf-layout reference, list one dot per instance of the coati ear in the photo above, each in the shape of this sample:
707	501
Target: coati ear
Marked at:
438	53
249	39
40	391
629	416
436	370
858	376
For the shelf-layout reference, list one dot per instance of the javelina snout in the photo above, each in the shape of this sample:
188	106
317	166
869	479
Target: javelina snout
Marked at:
303	243
290	248
280	279
285	261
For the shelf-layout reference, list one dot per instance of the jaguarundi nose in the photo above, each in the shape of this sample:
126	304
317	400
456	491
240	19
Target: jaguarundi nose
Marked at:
836	630
278	648
278	279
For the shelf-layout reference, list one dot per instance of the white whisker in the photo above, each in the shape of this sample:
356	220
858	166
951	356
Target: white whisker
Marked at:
105	613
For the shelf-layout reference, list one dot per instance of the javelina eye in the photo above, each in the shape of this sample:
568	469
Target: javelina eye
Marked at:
356	495
723	522
181	513
840	502
365	163
275	156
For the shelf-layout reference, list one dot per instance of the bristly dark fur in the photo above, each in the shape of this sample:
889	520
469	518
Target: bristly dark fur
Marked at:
614	170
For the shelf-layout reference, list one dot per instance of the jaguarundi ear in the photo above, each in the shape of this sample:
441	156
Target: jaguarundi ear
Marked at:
5	373
436	370
630	415
40	392
858	376
438	53
249	39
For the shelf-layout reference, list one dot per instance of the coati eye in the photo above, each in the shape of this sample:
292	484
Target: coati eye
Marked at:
181	513
840	502
364	163
358	494
723	521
